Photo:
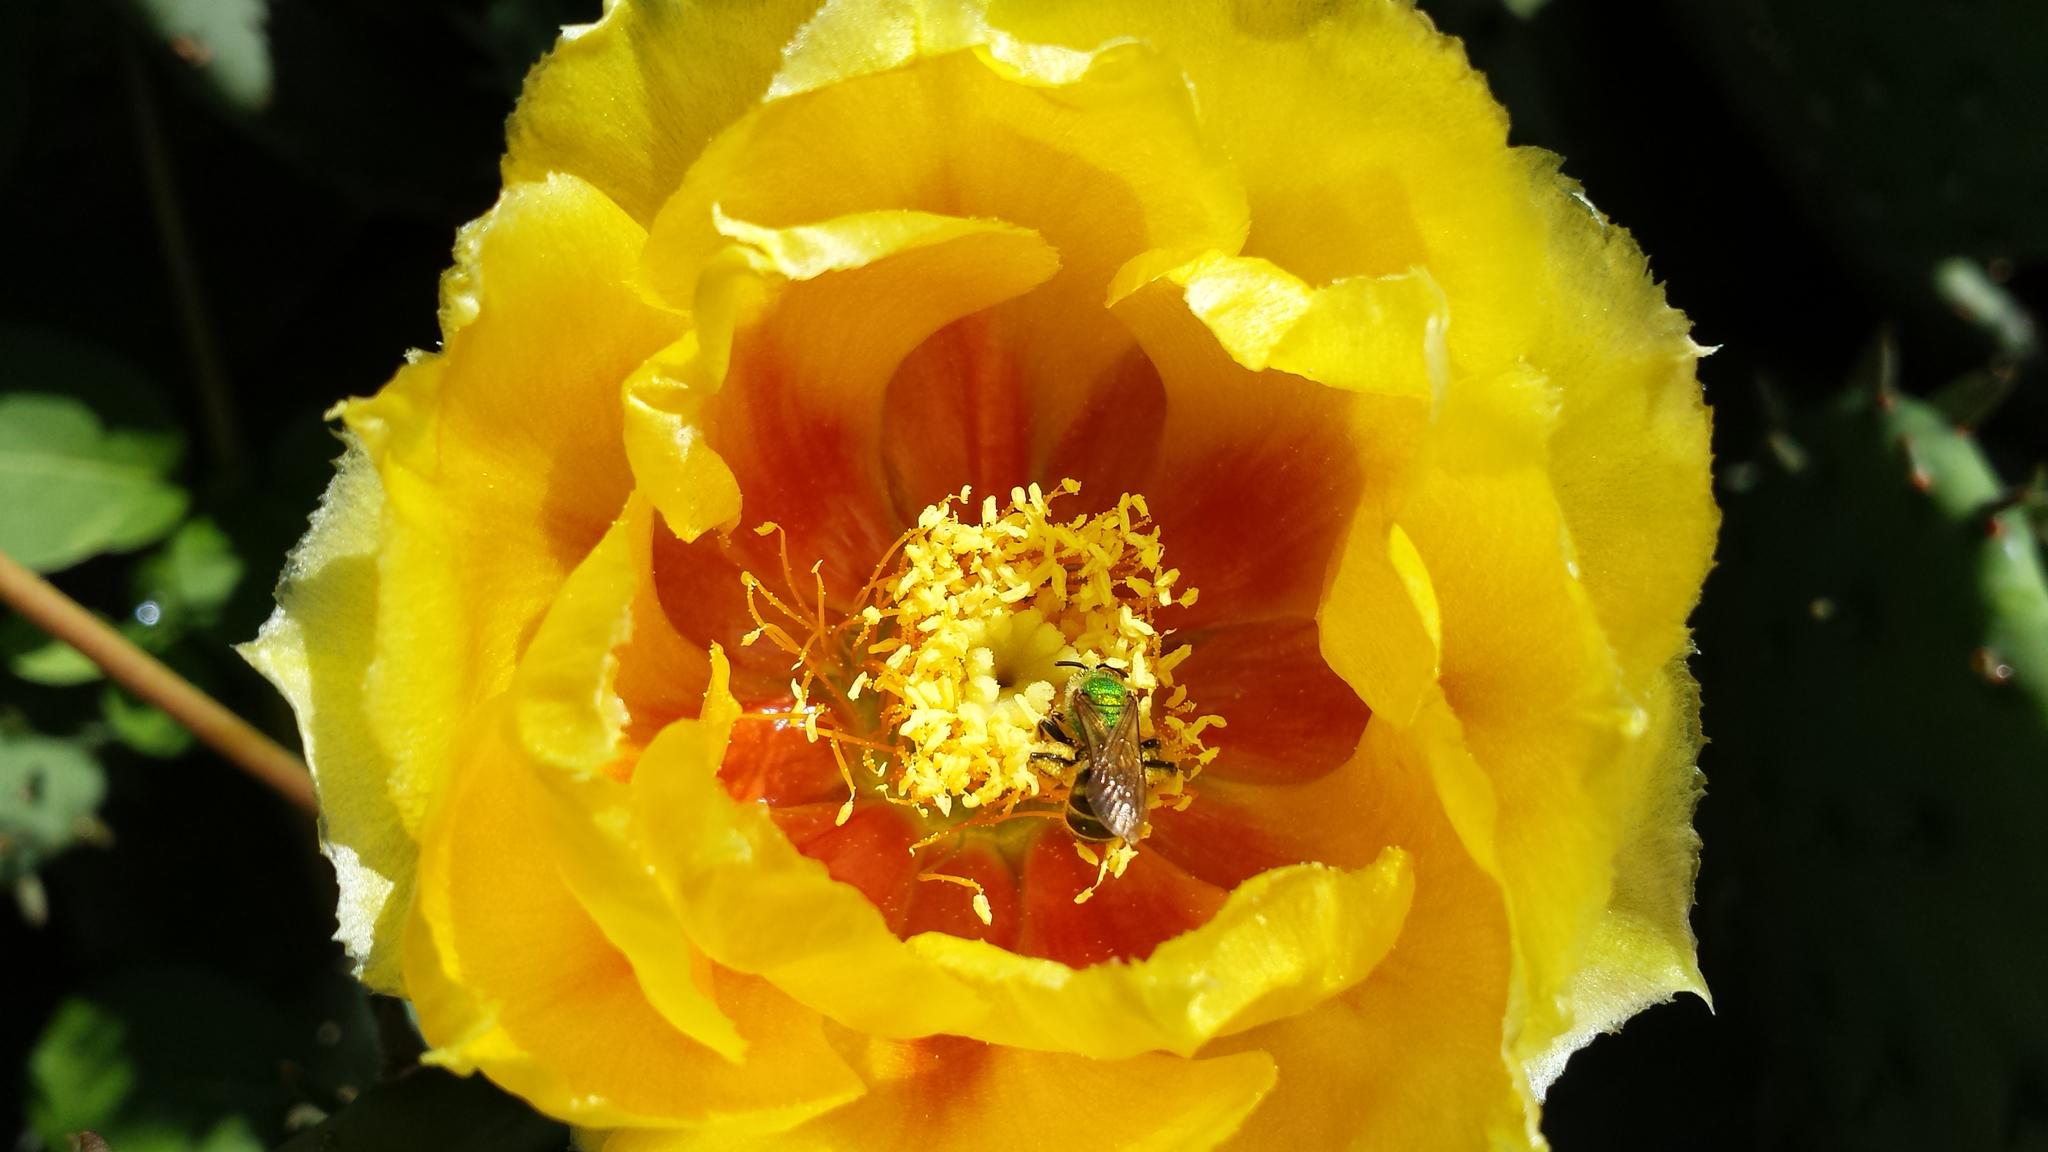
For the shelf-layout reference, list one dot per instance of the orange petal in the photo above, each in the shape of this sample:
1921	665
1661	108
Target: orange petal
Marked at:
957	414
699	588
1231	833
1290	717
1112	443
936	906
772	762
1127	916
1262	470
802	328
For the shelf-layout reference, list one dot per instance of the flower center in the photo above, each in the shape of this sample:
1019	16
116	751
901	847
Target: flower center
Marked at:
1006	666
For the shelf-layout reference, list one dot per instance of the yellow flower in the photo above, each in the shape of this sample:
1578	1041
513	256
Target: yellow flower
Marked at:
996	574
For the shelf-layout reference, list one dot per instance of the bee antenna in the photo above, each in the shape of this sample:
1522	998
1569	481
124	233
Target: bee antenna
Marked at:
1068	664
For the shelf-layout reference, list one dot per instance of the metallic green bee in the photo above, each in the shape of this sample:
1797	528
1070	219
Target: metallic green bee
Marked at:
1107	800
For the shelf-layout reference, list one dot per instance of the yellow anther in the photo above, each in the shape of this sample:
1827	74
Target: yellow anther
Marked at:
984	612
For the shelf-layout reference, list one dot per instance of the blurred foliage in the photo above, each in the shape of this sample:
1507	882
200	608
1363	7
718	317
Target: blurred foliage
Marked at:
76	490
49	792
1879	579
224	40
430	1110
181	1060
1872	652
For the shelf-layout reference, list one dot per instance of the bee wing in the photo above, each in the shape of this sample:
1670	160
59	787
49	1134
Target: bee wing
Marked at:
1117	791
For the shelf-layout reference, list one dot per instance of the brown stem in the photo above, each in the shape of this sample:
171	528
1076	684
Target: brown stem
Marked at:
147	677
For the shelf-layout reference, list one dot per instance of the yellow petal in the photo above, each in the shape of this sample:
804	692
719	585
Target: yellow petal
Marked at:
1538	702
569	716
1642	951
627	103
690	483
1284	942
951	1095
1367	146
317	651
1366	143
1041	144
511	977
1631	453
1379	626
1281	943
500	460
1368	334
964	134
910	272
1412	1059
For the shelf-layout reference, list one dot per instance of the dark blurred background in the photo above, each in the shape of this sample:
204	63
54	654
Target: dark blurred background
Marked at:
217	217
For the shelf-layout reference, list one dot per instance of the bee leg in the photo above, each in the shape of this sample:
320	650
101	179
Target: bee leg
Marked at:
1051	730
1152	745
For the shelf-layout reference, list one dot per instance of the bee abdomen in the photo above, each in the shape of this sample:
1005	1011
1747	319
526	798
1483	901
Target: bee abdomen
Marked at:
1081	818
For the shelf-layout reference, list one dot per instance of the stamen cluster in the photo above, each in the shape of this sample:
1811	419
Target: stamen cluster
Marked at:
956	656
980	617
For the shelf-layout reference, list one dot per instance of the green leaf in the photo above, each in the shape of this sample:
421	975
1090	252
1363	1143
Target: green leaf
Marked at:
143	728
49	790
75	489
79	1074
223	40
163	1060
190	580
53	664
430	1110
